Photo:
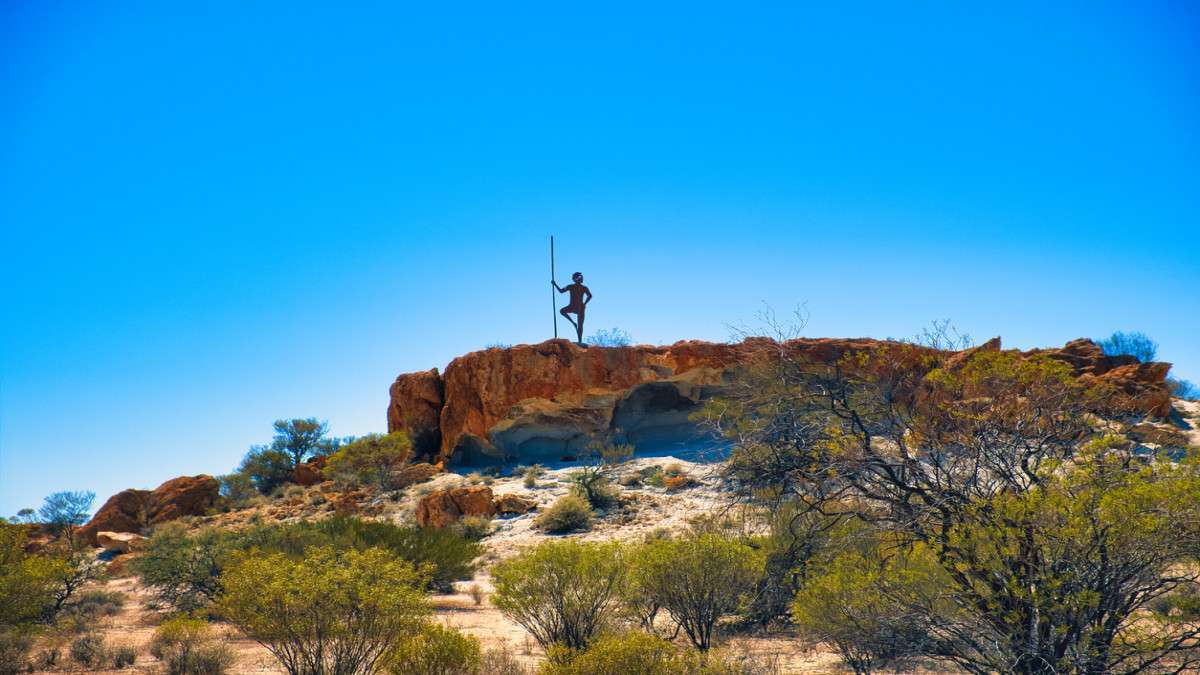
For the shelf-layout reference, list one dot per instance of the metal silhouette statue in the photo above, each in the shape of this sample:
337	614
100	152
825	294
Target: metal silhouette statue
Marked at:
580	297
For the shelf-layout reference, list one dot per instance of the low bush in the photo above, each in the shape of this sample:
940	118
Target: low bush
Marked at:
89	651
329	611
371	460
501	661
238	490
633	652
563	592
183	570
571	513
267	468
444	553
95	604
14	650
697	580
474	528
436	650
186	647
123	656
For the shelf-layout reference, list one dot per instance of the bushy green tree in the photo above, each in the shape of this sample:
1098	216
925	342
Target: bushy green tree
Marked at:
371	459
301	439
697	580
335	612
267	468
29	582
562	592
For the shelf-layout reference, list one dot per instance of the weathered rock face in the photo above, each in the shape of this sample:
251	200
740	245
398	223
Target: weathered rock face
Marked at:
546	401
132	510
444	507
310	472
416	406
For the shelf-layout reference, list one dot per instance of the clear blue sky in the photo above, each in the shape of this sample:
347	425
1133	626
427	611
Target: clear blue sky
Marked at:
218	214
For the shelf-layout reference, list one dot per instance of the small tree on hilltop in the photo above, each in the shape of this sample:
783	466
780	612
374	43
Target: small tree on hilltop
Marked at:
301	438
1136	344
62	512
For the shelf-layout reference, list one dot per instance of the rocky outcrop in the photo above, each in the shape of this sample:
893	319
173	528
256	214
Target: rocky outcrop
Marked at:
416	406
444	507
133	510
549	400
510	504
120	542
310	472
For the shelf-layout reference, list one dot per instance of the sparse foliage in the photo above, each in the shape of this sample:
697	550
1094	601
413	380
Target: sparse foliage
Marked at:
371	459
329	612
562	592
610	337
62	512
697	580
1136	344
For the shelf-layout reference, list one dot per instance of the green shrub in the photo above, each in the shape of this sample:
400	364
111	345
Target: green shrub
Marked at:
529	481
14	650
183	570
653	476
697	580
29	584
95	604
123	657
474	528
436	650
571	513
238	490
267	468
447	555
89	651
371	459
562	592
593	484
186	647
633	652
330	611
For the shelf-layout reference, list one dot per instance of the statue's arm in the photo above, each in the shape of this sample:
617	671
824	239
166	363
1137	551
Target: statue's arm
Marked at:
556	287
588	293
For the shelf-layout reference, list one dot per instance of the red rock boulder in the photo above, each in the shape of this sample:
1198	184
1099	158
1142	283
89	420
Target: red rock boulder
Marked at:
133	510
444	507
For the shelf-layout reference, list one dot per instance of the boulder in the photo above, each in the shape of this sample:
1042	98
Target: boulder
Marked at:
133	510
121	542
510	504
310	472
412	474
444	507
416	407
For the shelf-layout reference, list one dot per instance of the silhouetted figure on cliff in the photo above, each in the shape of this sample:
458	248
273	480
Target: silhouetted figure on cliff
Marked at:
578	303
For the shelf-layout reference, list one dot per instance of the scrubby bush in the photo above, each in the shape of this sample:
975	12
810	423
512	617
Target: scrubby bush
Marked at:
186	647
14	650
123	656
183	570
29	583
435	650
593	486
1136	344
859	602
474	528
476	593
697	580
632	652
1183	389
610	337
443	553
371	459
562	592
330	611
89	651
90	606
501	661
570	513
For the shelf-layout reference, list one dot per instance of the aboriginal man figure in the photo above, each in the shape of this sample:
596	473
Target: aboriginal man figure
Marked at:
578	302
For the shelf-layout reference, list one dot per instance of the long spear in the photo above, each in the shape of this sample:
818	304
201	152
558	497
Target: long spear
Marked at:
553	301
